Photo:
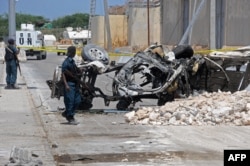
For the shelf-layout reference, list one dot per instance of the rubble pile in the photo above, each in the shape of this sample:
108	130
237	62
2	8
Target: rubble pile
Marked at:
217	108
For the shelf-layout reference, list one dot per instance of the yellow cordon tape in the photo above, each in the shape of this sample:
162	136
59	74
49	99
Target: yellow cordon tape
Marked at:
203	52
120	54
78	50
220	50
51	49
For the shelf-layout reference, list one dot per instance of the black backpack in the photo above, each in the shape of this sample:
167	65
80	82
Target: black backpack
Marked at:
9	54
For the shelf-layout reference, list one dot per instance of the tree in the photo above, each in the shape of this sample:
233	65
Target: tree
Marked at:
75	20
38	21
3	26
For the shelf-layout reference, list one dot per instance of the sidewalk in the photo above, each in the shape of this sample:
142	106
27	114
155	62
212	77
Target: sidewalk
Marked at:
20	125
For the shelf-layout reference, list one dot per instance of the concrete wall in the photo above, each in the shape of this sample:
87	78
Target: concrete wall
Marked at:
138	26
232	22
118	28
98	30
169	21
201	28
237	23
129	30
172	21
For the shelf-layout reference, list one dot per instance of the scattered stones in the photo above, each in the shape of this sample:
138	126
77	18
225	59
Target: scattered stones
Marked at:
215	108
23	157
114	123
54	145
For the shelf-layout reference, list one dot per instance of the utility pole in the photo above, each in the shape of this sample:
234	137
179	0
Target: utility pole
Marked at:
12	19
212	24
148	23
107	25
91	15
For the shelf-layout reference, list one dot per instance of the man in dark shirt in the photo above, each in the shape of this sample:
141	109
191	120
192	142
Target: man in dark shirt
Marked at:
72	96
11	64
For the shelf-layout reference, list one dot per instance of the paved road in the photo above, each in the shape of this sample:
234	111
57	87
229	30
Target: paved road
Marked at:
106	139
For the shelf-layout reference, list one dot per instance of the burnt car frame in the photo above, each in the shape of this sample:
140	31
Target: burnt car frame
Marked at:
157	73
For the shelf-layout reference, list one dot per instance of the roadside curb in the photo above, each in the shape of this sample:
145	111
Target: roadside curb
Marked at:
20	124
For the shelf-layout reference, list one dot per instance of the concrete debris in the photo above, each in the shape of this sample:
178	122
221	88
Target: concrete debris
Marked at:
23	157
54	145
217	108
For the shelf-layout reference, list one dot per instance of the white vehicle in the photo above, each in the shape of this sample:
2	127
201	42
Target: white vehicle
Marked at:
49	40
31	41
76	38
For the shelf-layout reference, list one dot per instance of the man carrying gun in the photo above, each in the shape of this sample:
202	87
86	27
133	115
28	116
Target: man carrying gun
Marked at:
12	63
72	96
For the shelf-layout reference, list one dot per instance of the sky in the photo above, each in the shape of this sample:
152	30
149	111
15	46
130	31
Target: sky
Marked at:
53	9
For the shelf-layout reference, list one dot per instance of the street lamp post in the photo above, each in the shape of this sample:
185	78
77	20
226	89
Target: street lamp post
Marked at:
107	25
148	22
12	19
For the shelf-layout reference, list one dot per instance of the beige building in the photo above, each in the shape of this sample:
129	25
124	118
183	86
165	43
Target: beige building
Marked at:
219	23
118	29
141	32
131	29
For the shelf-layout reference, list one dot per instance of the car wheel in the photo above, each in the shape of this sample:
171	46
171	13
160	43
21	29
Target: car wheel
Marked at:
93	52
165	97
39	56
183	51
123	104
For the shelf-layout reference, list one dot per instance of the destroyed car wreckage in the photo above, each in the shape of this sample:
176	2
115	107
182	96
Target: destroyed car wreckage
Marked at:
157	73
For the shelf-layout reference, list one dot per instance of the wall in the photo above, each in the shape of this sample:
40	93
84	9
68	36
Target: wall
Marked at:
201	27
118	28
138	26
172	24
168	23
232	23
98	30
237	23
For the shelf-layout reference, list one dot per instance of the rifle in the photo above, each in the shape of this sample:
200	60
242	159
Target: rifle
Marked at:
75	76
19	68
18	64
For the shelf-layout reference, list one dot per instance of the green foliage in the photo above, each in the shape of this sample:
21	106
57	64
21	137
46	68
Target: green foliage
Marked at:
3	26
59	25
75	20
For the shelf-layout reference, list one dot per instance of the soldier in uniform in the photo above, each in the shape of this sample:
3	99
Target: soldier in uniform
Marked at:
72	97
11	64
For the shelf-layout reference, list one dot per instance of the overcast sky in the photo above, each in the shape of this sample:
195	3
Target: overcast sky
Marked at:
53	9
